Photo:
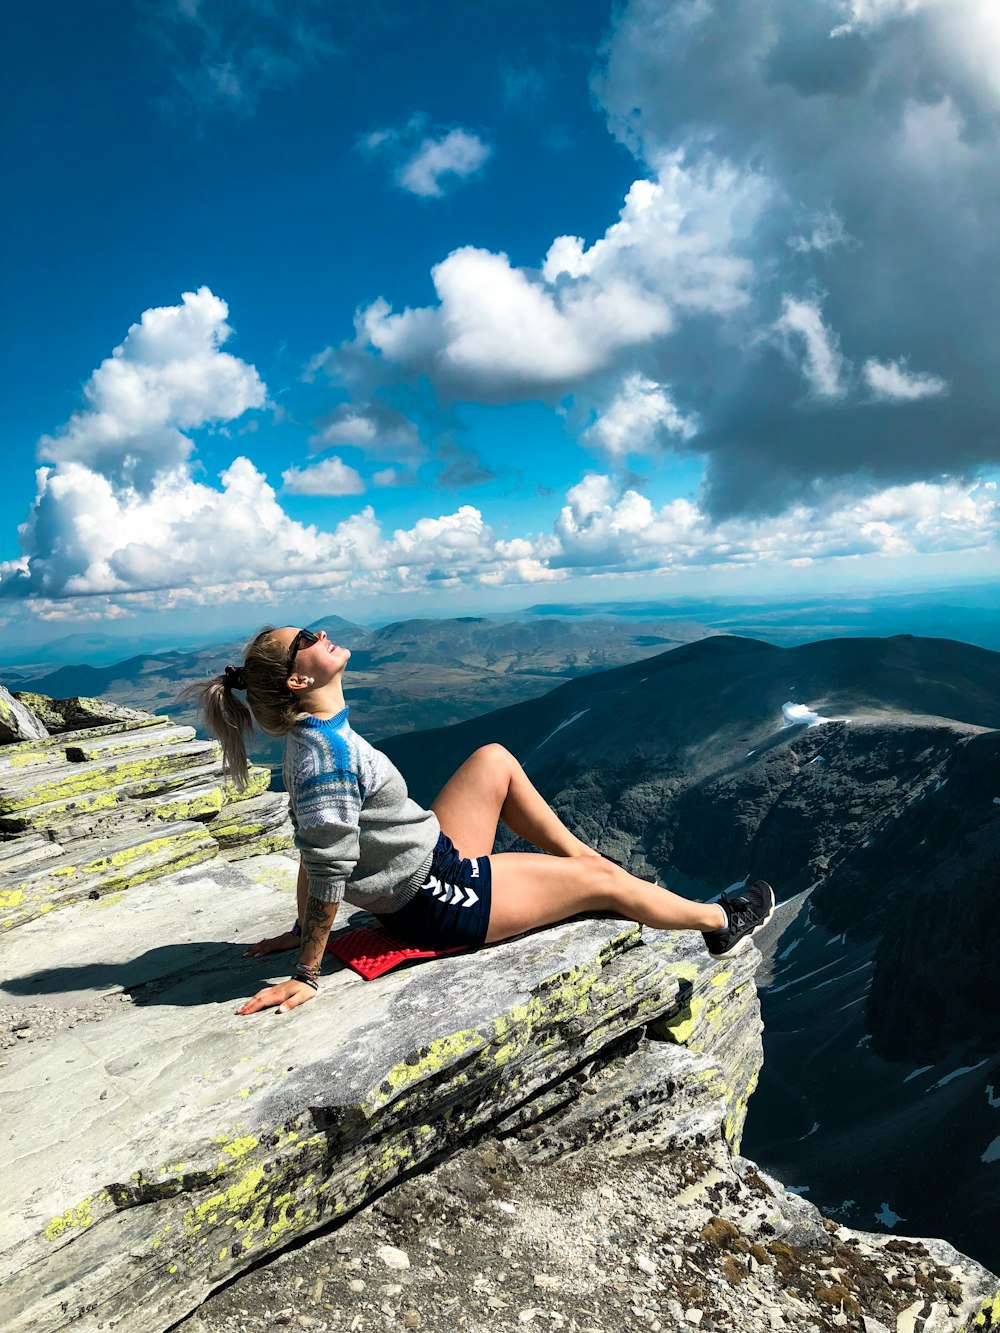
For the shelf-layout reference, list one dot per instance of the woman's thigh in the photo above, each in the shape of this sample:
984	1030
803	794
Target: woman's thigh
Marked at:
531	890
468	805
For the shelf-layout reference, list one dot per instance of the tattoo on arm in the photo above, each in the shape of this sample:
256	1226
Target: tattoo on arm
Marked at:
316	929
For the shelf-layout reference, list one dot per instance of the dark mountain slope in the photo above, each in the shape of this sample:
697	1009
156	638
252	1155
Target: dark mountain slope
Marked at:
699	704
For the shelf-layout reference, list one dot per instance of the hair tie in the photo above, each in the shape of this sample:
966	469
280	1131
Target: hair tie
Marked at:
234	678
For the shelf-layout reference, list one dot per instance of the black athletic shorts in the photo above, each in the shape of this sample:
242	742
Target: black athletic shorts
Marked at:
451	907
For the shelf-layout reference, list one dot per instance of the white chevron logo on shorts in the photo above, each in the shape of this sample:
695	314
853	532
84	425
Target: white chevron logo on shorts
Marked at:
451	893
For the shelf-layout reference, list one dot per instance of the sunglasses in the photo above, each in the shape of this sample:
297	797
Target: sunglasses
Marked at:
303	639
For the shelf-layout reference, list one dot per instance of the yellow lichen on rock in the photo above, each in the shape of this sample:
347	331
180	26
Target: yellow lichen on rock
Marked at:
986	1317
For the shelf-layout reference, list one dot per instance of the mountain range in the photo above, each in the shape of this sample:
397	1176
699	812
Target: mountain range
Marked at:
408	675
859	776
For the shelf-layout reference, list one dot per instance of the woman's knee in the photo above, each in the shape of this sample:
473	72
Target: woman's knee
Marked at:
498	762
494	754
604	882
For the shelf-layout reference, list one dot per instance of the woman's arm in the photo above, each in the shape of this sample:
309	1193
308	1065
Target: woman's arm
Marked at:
317	921
290	939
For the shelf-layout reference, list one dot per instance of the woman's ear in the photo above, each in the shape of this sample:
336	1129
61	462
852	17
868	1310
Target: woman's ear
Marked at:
298	682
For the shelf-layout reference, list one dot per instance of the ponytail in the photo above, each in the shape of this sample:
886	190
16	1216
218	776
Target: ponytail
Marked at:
264	676
230	722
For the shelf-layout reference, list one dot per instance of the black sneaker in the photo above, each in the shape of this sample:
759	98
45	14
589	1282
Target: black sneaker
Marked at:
748	912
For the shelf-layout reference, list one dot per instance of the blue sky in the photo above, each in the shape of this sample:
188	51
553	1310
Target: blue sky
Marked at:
425	307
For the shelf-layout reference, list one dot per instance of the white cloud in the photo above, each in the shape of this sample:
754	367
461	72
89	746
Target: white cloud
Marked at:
822	363
501	332
167	376
374	427
892	380
456	154
427	162
330	477
880	146
185	541
600	529
188	543
827	231
638	420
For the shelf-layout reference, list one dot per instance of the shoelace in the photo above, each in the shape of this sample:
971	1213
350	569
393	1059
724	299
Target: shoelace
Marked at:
740	911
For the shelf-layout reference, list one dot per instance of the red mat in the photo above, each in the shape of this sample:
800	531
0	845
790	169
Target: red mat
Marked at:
371	952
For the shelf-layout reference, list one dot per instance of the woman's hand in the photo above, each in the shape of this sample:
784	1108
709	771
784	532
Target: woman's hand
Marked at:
286	995
290	940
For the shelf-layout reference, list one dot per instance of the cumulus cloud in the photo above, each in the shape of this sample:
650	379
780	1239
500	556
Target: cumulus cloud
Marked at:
893	381
501	332
638	420
87	537
120	513
884	139
330	477
186	543
425	163
168	376
601	528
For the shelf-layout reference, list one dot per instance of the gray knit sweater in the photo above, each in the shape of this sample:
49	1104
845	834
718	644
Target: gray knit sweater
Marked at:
360	835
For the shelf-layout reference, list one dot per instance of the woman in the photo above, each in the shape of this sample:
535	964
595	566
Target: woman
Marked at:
362	838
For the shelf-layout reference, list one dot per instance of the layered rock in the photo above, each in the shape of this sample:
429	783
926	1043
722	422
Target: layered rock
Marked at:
17	721
96	810
72	714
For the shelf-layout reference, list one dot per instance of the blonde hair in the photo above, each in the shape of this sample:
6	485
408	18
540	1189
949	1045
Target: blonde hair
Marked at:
264	676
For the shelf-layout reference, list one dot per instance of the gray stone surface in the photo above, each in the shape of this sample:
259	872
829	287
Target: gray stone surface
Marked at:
17	721
164	1143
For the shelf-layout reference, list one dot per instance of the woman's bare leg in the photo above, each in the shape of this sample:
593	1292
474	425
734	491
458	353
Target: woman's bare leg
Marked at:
491	785
531	891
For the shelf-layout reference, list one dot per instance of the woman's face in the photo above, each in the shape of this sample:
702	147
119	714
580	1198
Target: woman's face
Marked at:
324	660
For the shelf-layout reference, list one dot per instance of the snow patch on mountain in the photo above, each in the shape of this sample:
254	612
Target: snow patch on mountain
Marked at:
795	715
567	723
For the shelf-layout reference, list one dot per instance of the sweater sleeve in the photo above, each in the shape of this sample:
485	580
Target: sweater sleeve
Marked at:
326	813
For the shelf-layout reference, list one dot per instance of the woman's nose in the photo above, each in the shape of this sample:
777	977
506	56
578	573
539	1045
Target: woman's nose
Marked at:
322	633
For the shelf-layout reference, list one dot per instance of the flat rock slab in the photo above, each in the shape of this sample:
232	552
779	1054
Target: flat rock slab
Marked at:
163	1144
189	920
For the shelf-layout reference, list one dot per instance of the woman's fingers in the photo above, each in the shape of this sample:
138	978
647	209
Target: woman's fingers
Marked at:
286	995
